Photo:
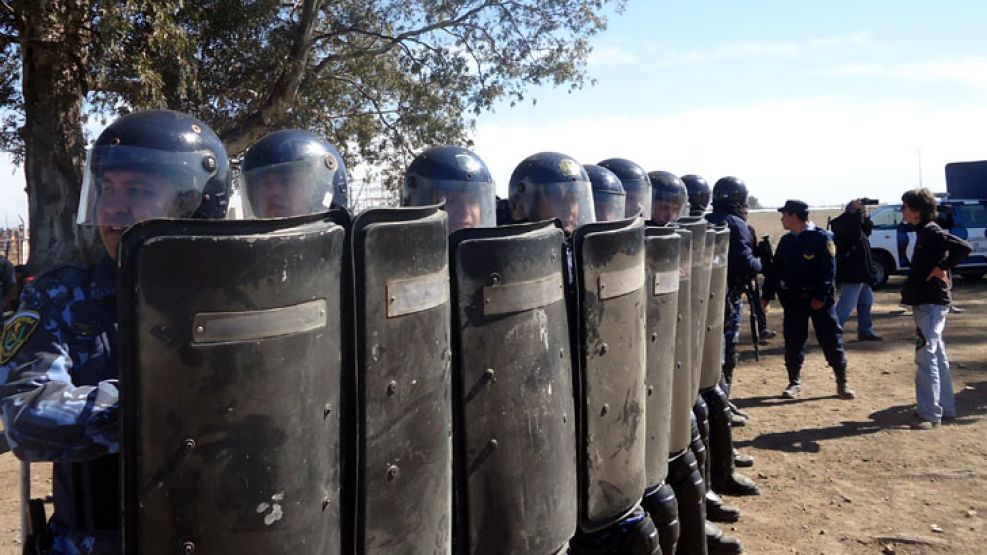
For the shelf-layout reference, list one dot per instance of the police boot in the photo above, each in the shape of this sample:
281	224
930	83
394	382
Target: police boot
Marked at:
741	460
843	391
685	479
723	476
719	542
634	534
717	511
661	505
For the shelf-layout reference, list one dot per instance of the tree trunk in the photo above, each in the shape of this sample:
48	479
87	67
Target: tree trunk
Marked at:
55	45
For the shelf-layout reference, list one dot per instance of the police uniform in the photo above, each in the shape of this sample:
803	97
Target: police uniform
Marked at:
804	270
59	399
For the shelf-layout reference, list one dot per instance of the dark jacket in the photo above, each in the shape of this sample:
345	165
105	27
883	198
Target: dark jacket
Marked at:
934	247
742	265
803	266
853	258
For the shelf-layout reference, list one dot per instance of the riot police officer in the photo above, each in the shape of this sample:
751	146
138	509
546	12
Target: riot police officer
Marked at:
669	197
292	172
60	397
698	194
609	197
803	276
635	182
457	176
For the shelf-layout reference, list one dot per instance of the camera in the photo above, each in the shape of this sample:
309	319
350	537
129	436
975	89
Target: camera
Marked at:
869	201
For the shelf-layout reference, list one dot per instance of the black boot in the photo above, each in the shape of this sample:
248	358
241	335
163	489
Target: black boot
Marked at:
741	460
719	543
635	534
684	477
843	391
663	508
723	476
717	511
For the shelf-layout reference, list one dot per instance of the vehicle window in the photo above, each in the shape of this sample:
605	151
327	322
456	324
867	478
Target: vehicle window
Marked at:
886	217
971	215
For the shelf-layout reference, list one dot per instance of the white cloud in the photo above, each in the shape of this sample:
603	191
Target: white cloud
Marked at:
610	56
968	71
762	49
822	150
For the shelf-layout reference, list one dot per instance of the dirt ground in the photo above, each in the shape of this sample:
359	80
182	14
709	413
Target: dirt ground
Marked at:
836	476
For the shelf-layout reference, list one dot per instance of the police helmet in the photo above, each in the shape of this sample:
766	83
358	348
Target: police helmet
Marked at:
730	190
154	164
457	176
636	183
670	200
609	197
551	185
289	173
698	191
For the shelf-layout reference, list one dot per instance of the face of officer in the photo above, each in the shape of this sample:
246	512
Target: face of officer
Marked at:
279	194
127	197
913	217
563	205
635	202
665	211
464	209
791	221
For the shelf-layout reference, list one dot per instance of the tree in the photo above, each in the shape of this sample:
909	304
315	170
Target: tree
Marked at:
753	202
381	78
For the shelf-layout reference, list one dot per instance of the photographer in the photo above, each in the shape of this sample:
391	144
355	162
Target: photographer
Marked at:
854	266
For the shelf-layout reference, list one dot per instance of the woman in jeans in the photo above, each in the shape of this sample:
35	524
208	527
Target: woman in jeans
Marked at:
927	291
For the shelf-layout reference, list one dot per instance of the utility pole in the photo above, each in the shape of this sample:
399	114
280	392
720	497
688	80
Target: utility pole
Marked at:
919	154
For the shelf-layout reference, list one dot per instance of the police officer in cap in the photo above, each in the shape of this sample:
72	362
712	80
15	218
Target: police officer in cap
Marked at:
456	176
636	183
803	276
698	194
292	172
669	198
60	400
609	197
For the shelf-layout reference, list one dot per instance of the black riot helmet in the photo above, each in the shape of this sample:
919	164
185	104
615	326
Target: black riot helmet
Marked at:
289	173
457	176
609	197
670	200
154	164
730	191
636	183
698	191
550	185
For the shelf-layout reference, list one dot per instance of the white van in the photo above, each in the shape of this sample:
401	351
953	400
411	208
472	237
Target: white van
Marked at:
891	245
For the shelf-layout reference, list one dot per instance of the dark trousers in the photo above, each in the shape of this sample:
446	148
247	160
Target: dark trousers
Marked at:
731	334
829	334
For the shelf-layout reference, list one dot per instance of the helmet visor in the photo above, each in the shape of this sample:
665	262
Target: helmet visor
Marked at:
468	203
124	185
609	206
666	209
569	201
638	200
288	189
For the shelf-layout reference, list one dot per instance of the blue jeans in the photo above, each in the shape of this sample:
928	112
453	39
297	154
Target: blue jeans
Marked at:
933	382
857	295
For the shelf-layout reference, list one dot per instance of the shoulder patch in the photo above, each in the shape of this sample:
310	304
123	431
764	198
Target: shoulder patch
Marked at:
16	331
831	247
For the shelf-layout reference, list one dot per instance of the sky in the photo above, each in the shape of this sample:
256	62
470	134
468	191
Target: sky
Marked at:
820	101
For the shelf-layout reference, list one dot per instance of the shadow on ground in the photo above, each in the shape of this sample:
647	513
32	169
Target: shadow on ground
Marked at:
970	402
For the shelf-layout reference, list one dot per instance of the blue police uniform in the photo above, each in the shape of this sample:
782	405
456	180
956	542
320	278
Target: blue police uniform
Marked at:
805	270
742	266
59	399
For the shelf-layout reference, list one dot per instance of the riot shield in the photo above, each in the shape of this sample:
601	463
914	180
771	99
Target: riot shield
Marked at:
230	371
702	257
609	262
662	247
404	405
683	396
712	360
515	426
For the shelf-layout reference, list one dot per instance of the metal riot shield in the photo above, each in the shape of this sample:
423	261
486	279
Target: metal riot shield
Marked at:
230	371
515	426
683	396
610	305
702	257
404	404
713	345
662	246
